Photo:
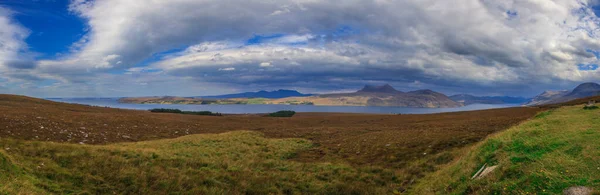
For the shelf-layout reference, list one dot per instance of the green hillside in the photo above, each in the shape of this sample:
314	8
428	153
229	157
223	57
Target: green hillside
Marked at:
555	150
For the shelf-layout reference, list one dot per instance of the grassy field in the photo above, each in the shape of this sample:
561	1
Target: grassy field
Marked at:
557	149
240	162
382	153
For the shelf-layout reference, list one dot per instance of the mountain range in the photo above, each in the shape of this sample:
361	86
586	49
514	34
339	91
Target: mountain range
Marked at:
386	95
371	95
553	97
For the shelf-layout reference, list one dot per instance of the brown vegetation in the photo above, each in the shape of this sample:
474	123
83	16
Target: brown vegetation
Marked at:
572	102
412	144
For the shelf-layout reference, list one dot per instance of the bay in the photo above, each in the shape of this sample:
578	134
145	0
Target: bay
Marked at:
267	108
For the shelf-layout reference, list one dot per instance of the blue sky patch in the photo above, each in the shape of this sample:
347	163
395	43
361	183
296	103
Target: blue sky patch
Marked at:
587	67
258	39
596	10
53	28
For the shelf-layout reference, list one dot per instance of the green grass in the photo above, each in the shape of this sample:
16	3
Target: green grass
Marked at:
241	162
257	101
13	180
555	150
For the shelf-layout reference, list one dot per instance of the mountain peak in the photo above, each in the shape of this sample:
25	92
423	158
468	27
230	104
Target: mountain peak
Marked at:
424	91
581	91
286	90
587	87
378	89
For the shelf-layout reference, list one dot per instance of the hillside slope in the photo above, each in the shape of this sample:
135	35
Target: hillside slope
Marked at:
554	97
581	91
555	150
546	97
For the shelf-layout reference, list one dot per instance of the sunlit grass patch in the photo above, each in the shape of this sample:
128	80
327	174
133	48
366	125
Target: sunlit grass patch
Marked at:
241	162
556	150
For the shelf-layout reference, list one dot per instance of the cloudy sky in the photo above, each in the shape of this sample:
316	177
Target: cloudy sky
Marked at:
113	48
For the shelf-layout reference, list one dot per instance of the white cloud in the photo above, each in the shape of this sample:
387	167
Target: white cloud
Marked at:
227	69
265	64
292	39
439	43
12	40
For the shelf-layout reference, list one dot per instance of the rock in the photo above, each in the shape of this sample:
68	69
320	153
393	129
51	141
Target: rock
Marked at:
578	190
486	171
126	137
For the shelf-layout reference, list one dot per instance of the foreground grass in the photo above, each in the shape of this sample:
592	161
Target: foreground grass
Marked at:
239	162
555	150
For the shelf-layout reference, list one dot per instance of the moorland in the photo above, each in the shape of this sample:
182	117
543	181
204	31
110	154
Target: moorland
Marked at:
51	147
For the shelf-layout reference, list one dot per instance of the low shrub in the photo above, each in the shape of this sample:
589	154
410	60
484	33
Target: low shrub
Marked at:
283	113
177	111
590	107
205	113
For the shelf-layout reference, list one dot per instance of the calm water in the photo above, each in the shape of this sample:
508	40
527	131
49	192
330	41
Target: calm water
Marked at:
240	109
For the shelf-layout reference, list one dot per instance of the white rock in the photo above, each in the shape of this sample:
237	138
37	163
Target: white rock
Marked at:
578	190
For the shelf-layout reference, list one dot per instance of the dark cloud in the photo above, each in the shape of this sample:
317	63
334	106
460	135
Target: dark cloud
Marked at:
21	64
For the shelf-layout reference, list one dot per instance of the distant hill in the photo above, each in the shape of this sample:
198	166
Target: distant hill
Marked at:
386	95
584	90
546	97
470	99
282	93
554	97
378	89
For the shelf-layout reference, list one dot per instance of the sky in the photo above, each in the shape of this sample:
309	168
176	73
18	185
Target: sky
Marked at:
116	48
